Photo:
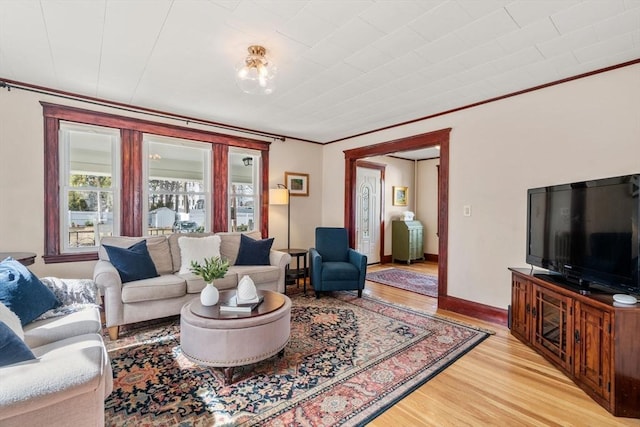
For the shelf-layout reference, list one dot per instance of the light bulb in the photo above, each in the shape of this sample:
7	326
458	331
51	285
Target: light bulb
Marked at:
262	70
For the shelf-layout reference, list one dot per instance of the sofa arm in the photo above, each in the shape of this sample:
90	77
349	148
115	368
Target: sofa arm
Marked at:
65	372
106	276
110	285
280	260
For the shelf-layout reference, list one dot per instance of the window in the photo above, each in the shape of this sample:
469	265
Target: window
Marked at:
244	190
89	186
178	177
100	180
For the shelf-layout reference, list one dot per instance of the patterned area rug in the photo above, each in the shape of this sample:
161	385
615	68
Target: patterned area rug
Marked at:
347	361
408	280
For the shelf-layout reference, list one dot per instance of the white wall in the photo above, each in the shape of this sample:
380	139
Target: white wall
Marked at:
582	129
301	157
427	203
22	182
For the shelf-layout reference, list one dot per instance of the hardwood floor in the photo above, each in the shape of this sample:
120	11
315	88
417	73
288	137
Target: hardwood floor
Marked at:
500	382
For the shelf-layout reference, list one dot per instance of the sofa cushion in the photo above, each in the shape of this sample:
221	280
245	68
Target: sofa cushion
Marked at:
230	243
339	271
133	263
259	274
197	249
160	254
158	247
65	368
41	332
175	248
11	320
195	283
23	293
12	348
254	252
157	288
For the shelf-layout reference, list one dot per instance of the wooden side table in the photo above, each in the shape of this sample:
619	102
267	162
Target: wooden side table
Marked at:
297	273
25	258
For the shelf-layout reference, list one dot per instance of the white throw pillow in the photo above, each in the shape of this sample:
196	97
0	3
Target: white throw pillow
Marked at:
197	249
11	320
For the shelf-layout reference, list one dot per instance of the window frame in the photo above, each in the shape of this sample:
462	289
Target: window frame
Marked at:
255	181
65	172
207	175
131	183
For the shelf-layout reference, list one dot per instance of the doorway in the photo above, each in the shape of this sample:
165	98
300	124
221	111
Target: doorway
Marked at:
441	138
369	210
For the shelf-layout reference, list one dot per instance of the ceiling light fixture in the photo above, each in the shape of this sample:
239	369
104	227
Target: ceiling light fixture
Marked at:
248	161
256	74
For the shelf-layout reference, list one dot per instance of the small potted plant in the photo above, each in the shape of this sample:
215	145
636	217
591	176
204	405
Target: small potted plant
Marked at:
211	269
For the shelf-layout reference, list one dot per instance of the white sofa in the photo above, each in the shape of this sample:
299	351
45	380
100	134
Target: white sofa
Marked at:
165	295
67	383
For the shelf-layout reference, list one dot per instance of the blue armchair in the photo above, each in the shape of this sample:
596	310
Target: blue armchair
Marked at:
334	266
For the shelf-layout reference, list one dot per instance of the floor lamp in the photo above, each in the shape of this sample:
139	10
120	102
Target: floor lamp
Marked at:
280	196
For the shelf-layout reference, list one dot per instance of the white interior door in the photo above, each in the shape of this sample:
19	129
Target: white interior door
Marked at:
368	213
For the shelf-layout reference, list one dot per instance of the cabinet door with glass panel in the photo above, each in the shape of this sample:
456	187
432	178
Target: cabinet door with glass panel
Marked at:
244	191
553	325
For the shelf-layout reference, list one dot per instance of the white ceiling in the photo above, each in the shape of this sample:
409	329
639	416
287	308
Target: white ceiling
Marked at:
345	67
421	154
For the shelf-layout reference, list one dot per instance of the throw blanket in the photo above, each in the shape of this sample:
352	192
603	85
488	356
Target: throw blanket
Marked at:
74	294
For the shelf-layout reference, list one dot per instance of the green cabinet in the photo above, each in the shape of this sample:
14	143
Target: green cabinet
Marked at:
406	239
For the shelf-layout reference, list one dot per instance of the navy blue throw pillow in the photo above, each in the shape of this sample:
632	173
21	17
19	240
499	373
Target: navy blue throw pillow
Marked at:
12	348
23	292
254	252
132	263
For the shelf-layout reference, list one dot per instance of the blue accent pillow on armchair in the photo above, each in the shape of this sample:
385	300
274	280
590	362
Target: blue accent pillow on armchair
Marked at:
132	263
254	252
12	348
23	292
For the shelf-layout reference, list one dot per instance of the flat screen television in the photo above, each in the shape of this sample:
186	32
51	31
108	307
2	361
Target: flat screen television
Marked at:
586	233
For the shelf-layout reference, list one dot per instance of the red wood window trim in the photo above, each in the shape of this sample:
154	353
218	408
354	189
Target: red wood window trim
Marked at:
131	132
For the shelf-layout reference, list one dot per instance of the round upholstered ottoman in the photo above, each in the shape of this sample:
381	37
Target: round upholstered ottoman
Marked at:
212	337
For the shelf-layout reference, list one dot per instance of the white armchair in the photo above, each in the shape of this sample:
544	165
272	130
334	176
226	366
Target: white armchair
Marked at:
68	381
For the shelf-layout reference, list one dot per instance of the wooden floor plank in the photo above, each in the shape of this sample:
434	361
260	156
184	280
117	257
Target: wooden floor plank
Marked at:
501	382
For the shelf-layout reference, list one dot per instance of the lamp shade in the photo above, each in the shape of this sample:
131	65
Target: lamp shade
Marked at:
278	196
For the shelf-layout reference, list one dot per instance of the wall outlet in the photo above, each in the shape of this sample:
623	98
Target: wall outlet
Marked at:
466	211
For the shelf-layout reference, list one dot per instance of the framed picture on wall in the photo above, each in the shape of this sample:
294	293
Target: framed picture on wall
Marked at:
297	183
400	196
